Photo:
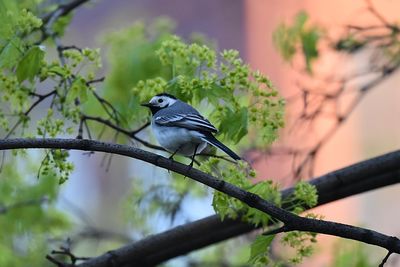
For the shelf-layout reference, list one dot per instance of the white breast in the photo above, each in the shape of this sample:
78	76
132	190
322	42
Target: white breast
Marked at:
174	138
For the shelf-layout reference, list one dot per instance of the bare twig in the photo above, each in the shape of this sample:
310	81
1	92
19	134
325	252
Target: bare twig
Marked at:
40	99
375	12
107	106
69	47
65	251
131	134
385	259
98	80
332	91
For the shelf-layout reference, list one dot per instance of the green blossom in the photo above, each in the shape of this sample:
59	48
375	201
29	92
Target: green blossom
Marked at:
306	193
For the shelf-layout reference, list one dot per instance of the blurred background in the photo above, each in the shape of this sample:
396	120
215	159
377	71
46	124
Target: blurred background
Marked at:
96	196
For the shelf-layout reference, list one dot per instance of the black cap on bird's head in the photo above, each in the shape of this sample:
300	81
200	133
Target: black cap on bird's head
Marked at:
167	95
160	101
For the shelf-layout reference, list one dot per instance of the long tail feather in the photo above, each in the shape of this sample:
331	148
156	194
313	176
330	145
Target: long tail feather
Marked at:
209	138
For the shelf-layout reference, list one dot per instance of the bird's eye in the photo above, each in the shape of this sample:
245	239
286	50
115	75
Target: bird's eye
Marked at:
160	100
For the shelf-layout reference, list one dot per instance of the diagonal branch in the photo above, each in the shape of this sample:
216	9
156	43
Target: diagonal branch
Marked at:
294	222
358	178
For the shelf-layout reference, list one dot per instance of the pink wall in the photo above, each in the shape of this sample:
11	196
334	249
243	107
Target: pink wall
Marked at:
352	142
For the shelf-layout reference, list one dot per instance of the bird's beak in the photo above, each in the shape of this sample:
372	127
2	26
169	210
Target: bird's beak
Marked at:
146	105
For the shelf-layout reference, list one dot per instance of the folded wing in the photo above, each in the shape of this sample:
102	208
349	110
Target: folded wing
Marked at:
189	121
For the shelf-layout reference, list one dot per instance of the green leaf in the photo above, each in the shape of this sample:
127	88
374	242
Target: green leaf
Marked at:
30	64
57	69
300	20
258	249
79	90
306	193
215	94
10	52
220	204
234	124
309	42
289	38
61	24
267	190
8	17
285	42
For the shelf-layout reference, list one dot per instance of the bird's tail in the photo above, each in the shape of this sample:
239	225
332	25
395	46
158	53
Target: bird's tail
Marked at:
209	138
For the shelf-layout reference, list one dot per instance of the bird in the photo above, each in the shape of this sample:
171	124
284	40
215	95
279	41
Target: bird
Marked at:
180	129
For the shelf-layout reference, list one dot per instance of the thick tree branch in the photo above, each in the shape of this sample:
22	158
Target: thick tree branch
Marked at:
361	177
293	221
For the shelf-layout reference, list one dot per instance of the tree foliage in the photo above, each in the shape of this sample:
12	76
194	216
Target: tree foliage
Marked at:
143	61
38	69
298	37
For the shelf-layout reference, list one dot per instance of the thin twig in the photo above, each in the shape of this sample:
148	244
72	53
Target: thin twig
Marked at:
98	80
114	114
63	10
384	260
375	12
131	134
26	113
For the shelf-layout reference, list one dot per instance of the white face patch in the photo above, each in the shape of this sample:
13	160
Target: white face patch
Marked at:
162	101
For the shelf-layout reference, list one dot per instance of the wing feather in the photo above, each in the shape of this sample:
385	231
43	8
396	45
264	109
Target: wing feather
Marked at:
188	121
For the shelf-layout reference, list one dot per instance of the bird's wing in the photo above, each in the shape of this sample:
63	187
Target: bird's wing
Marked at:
188	121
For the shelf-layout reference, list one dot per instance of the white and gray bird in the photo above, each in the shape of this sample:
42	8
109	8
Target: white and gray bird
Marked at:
180	129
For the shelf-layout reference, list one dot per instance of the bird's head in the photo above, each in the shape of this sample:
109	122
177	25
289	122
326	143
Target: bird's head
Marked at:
160	101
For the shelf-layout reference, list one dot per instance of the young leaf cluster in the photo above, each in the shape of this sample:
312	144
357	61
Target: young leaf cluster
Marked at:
236	98
302	242
29	80
55	164
298	37
304	195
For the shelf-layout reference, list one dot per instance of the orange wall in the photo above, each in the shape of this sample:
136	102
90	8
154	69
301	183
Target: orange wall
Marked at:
262	17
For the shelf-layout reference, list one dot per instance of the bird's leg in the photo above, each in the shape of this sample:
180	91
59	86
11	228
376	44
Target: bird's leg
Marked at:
173	154
191	163
194	154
